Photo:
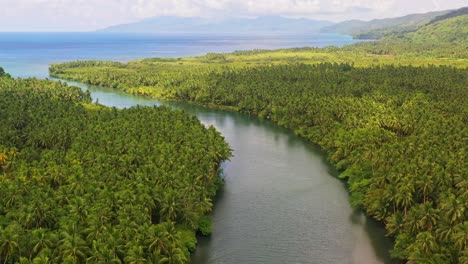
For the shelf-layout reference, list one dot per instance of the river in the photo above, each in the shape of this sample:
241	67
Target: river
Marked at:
281	202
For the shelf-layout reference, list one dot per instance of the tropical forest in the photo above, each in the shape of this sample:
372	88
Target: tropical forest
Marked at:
391	115
85	182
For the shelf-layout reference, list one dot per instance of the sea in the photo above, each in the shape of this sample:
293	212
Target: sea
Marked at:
30	54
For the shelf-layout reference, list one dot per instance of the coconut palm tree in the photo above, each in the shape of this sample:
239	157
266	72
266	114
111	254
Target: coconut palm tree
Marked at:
136	255
426	243
428	216
404	196
460	236
41	239
9	246
71	245
453	209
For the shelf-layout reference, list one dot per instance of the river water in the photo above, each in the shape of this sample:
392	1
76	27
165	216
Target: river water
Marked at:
281	203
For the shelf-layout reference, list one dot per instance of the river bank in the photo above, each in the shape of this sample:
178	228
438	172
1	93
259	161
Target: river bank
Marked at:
265	205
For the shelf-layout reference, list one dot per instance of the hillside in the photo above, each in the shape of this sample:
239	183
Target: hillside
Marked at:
456	13
450	30
446	39
377	28
194	25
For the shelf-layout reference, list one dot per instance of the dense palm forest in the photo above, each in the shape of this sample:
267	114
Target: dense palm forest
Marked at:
82	183
398	134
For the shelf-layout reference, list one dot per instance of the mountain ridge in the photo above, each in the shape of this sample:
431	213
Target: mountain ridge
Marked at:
264	24
459	12
378	28
453	29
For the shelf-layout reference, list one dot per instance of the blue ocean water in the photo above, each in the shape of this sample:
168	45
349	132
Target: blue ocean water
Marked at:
29	54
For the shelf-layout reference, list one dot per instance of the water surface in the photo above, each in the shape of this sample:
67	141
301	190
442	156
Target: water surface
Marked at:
29	54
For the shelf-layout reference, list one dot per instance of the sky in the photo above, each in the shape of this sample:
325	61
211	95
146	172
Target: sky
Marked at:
89	15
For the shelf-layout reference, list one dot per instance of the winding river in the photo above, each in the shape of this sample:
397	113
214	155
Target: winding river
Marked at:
281	203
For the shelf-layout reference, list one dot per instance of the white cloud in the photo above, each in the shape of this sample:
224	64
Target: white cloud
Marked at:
67	15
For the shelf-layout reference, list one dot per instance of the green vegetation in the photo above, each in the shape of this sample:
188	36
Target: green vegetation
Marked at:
398	134
453	30
391	120
82	183
2	72
456	13
378	28
443	39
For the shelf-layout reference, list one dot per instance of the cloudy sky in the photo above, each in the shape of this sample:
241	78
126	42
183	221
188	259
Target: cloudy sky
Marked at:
83	15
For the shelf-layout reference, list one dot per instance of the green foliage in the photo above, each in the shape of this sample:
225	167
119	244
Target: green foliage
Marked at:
446	38
189	238
3	73
215	57
84	183
204	225
452	30
398	133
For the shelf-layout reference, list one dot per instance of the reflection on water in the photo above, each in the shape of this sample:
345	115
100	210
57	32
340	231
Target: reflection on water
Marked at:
281	202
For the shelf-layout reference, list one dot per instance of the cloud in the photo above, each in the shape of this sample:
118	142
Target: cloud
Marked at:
66	15
145	8
305	8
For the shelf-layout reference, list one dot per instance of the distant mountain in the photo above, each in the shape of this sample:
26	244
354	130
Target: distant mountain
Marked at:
378	28
266	25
